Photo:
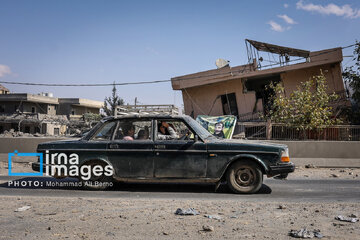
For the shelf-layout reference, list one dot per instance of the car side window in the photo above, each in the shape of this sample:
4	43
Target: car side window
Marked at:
130	130
173	130
105	132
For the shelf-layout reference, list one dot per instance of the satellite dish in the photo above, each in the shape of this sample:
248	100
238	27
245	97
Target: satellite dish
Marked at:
220	63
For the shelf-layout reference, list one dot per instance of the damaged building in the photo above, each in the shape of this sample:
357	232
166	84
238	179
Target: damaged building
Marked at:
75	108
241	90
42	113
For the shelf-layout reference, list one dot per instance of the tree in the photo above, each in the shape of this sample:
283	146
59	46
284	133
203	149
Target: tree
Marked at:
306	108
351	76
110	103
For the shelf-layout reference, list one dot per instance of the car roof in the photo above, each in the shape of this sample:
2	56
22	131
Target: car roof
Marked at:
145	116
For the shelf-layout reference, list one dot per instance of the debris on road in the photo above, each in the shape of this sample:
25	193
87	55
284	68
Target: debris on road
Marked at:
347	219
21	209
189	211
282	207
310	166
216	217
304	233
46	214
208	228
334	175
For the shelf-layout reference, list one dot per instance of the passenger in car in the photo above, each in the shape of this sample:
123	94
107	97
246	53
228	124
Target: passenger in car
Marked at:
166	132
143	134
129	131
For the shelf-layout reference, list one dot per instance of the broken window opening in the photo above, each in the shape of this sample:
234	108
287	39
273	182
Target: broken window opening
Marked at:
27	129
229	104
14	126
263	94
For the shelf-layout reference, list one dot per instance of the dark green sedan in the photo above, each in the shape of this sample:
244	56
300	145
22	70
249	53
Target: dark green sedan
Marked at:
163	148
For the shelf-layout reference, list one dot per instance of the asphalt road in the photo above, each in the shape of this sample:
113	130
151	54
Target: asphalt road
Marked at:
298	190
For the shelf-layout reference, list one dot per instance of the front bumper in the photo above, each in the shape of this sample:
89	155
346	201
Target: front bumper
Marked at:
281	169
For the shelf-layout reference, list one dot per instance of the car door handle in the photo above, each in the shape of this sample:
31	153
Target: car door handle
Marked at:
113	146
160	146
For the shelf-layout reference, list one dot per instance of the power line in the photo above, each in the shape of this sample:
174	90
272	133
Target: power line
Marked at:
158	81
84	85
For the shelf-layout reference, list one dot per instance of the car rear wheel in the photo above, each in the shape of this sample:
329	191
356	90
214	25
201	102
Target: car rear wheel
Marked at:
101	182
244	177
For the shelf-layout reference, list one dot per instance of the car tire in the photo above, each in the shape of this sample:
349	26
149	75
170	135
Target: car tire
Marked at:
244	177
101	182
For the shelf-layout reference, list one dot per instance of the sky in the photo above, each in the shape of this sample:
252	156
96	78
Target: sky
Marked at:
79	42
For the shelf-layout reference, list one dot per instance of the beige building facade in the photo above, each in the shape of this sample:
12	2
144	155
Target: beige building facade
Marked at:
242	91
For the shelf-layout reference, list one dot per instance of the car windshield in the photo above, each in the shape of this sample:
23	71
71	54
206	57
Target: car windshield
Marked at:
88	134
200	130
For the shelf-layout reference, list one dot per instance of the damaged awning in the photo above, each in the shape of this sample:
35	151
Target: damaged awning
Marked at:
267	47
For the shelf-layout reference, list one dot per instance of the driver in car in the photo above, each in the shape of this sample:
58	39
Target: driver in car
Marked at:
166	132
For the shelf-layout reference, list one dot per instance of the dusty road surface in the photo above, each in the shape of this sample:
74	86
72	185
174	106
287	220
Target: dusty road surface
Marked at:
311	198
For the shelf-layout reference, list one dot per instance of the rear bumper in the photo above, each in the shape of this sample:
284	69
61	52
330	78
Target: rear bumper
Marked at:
36	167
281	169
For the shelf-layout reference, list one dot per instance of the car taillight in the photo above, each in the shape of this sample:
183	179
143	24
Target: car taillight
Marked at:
285	156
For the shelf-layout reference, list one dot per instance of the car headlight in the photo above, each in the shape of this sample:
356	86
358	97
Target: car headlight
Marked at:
285	155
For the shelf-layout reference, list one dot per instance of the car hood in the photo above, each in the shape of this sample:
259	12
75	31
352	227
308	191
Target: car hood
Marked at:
255	142
245	145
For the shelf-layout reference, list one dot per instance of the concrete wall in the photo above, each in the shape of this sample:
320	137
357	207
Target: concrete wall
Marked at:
322	149
204	98
23	144
26	107
332	73
324	153
50	128
68	108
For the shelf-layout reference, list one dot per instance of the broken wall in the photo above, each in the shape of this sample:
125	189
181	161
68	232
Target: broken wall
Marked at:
205	100
332	73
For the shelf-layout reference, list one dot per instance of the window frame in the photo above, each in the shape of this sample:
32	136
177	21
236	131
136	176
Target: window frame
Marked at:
134	120
92	138
227	101
174	120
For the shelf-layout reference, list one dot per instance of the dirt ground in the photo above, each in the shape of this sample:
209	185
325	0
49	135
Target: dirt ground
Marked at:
95	218
81	218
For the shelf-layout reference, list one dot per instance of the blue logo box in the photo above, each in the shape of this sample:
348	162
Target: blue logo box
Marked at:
15	153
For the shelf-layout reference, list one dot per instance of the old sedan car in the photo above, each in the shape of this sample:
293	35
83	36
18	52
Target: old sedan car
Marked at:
159	148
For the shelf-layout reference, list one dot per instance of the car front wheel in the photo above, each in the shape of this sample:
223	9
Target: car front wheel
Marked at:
244	177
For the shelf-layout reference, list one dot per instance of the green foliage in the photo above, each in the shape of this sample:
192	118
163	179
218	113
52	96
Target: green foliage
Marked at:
110	103
351	75
90	117
306	108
